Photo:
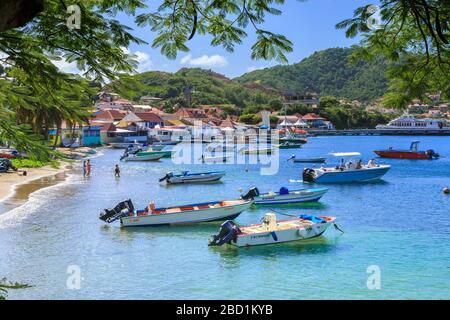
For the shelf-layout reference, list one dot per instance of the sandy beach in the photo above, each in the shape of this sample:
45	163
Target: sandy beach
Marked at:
9	182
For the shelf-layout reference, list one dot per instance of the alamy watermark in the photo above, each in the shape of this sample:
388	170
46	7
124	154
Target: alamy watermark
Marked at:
374	20
374	278
249	147
73	281
74	20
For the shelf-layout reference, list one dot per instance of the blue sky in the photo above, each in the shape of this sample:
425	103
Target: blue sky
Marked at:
310	25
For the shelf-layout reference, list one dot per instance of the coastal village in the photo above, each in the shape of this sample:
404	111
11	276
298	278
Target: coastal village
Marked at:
115	119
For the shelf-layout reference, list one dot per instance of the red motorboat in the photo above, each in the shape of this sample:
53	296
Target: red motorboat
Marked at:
412	153
8	153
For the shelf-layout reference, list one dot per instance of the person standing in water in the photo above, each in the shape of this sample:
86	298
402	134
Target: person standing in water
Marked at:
88	168
84	168
117	171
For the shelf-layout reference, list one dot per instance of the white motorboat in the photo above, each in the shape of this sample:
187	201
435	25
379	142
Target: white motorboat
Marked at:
285	196
142	156
219	147
271	231
216	159
125	145
191	213
187	177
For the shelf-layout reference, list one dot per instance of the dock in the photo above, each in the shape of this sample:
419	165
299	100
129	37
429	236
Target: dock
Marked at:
378	132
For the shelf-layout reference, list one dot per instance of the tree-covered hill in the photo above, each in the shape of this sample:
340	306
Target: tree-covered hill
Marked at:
328	73
207	87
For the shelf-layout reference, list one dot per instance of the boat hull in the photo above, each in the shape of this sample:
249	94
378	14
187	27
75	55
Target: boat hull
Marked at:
295	196
196	178
216	159
356	175
186	217
143	158
403	155
281	236
310	160
124	145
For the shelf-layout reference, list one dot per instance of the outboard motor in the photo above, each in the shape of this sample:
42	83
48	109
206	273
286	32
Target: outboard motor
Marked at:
431	154
122	209
309	175
125	154
228	232
251	194
166	177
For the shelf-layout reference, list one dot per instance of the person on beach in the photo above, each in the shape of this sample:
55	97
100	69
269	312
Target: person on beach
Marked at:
117	171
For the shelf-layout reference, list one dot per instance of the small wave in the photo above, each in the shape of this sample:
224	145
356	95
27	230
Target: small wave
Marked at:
36	200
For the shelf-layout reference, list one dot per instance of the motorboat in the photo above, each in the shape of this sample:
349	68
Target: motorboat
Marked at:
125	145
413	153
190	213
308	160
346	171
216	159
289	145
142	156
219	147
256	151
271	231
8	153
285	196
187	177
293	139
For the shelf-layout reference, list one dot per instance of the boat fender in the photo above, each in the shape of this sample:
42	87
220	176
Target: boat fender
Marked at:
274	235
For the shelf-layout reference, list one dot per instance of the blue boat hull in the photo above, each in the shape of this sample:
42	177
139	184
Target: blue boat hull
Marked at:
352	175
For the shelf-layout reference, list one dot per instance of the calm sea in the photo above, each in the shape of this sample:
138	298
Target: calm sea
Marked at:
400	225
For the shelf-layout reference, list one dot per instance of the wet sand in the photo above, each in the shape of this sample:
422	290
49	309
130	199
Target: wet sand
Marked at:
15	188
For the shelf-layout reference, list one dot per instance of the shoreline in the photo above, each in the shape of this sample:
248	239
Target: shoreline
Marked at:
11	183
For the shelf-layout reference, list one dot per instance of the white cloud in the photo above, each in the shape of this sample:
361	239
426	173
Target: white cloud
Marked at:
145	63
67	67
205	61
253	68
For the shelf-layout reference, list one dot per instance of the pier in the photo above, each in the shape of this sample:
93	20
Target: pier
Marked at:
377	132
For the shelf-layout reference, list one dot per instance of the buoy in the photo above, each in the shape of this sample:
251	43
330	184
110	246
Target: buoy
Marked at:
446	190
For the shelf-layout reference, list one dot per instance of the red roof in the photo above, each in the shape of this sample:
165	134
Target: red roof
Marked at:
227	123
149	116
191	113
311	116
105	126
110	115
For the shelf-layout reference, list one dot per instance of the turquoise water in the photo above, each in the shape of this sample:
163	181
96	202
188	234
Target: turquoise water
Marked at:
400	224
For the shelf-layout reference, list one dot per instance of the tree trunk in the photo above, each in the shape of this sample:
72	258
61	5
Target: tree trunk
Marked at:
17	13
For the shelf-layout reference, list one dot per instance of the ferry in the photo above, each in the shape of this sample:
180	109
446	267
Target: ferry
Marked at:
408	123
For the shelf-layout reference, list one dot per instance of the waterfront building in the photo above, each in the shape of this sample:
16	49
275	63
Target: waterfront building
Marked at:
143	120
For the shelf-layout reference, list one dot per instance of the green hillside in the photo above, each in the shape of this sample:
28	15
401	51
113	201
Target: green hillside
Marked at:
207	88
328	73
